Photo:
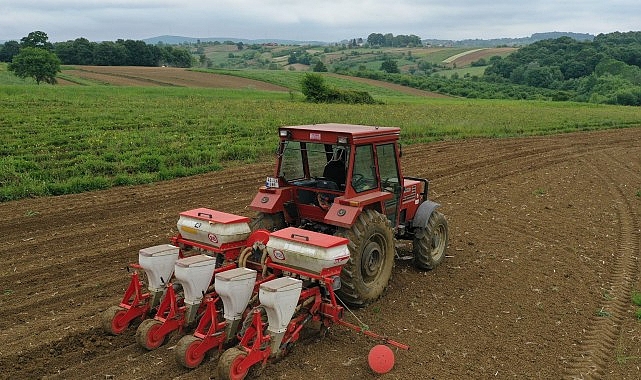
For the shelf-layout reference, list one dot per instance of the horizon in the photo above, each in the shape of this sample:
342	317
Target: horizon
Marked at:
308	20
225	38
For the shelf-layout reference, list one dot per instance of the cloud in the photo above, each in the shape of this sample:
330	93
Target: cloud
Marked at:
328	20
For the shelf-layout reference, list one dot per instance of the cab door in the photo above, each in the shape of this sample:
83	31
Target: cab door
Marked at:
389	178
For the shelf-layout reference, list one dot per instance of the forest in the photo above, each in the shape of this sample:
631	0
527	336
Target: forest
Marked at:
606	70
81	51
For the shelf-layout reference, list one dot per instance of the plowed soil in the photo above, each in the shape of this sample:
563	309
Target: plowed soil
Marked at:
542	261
166	76
171	76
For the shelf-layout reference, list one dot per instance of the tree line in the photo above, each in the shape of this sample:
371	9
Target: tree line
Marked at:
605	70
107	53
389	40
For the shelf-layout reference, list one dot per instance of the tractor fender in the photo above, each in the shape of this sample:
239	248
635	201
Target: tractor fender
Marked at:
271	201
343	212
423	214
342	215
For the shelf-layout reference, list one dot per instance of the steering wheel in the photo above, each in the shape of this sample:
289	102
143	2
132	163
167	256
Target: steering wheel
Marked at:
358	180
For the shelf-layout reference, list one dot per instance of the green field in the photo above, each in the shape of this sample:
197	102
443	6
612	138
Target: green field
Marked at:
59	140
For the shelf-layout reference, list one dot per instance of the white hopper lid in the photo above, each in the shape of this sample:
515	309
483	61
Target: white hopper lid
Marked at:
236	274
159	250
281	284
316	239
196	261
214	216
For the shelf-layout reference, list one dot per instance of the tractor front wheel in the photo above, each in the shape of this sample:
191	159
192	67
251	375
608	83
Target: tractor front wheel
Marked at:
371	249
186	354
146	334
430	242
229	364
112	320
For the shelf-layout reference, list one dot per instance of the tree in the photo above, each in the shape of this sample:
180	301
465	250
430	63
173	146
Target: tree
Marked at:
9	50
107	53
315	90
313	87
376	39
84	51
320	67
390	66
36	39
140	54
40	64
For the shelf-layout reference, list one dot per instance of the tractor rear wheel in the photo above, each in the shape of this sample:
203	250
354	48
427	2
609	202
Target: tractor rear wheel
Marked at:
269	222
111	320
369	268
228	365
145	335
185	352
430	242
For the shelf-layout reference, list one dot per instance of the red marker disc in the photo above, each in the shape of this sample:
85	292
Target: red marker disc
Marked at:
381	359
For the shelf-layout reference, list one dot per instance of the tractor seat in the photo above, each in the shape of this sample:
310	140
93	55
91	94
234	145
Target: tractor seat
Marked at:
335	171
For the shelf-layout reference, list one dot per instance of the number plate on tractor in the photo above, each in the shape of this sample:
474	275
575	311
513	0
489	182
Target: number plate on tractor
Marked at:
271	182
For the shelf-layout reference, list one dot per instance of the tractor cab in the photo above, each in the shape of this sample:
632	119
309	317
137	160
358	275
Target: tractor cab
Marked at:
329	173
345	180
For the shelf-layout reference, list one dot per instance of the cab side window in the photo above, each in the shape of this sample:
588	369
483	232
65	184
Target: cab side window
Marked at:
364	174
387	168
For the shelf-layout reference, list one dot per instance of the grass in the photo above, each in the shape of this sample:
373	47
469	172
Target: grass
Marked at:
292	80
8	78
539	192
603	313
439	56
70	139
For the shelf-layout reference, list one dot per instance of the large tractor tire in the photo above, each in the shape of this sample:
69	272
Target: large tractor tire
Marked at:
269	222
371	249
430	242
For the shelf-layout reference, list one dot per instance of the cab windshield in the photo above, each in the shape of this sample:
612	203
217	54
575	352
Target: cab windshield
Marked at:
302	163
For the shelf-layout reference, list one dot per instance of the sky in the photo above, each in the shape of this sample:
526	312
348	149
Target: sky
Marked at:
312	20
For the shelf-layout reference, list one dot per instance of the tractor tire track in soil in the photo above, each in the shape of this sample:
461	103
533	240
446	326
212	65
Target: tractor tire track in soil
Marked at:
544	233
605	327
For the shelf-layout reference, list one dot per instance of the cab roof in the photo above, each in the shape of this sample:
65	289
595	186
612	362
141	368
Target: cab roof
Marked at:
329	132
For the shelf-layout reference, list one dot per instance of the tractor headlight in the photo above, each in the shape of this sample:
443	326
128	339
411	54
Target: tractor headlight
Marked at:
283	133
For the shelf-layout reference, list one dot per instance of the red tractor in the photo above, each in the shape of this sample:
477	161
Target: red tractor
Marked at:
346	180
323	237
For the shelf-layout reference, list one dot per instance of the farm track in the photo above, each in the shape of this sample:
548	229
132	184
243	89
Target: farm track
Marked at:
464	59
539	228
